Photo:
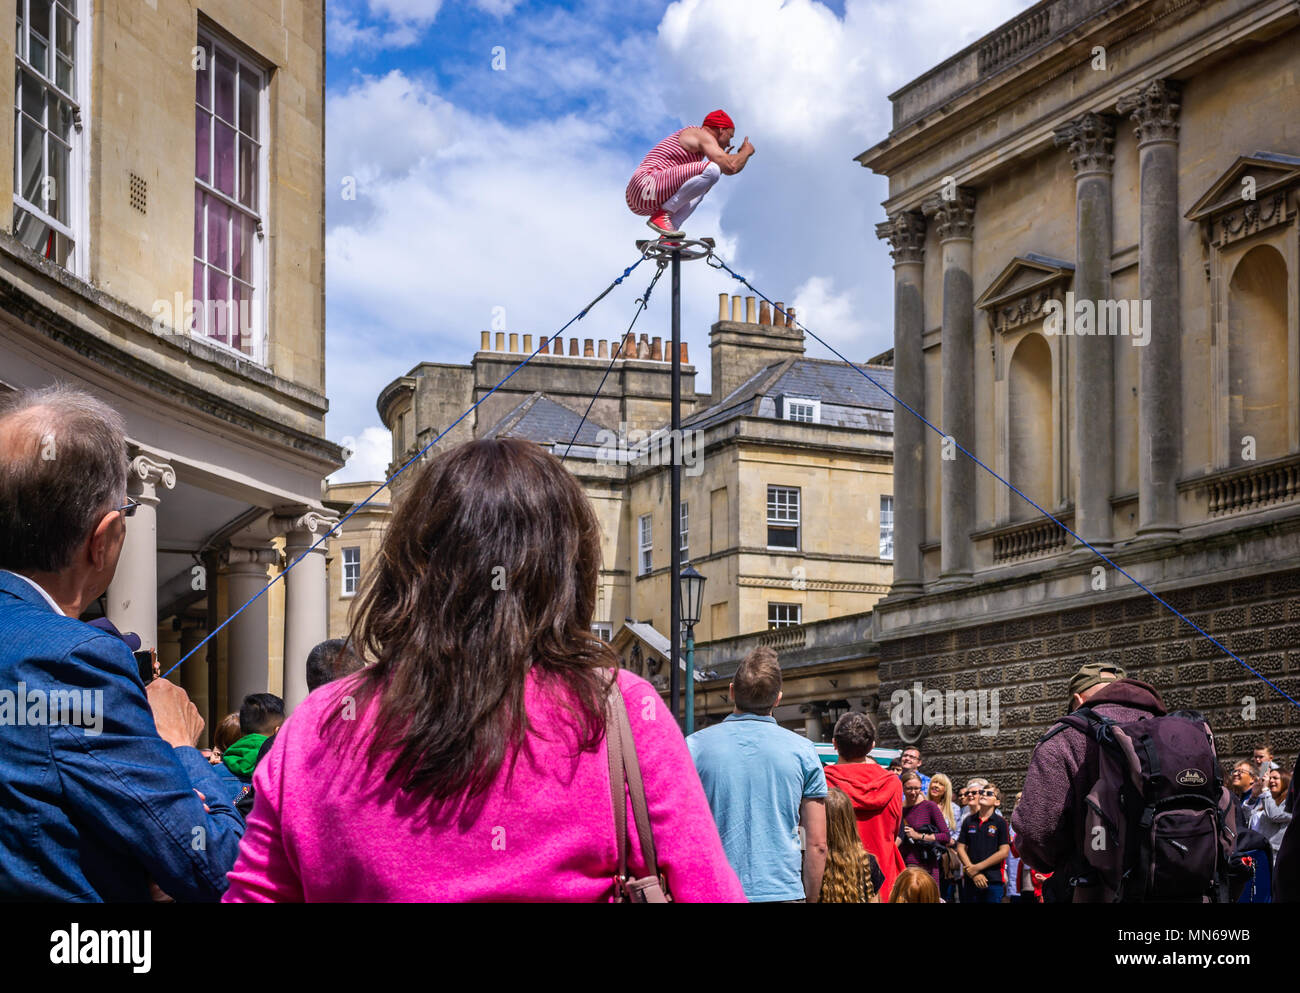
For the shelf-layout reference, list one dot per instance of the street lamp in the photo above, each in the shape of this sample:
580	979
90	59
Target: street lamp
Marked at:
692	587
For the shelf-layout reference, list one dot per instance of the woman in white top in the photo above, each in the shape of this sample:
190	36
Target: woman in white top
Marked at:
1271	816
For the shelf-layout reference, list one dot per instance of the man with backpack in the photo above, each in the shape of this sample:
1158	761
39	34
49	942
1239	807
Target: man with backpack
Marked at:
1125	802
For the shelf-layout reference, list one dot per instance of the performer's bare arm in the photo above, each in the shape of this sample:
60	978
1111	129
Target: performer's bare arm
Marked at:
702	141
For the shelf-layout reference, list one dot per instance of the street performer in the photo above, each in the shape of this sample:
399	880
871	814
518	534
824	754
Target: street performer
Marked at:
673	178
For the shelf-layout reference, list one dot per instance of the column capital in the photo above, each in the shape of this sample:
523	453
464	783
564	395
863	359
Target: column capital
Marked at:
905	232
143	475
233	557
1155	107
954	217
1091	140
303	525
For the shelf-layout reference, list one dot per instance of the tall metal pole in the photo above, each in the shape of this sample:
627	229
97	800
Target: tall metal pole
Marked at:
690	679
675	527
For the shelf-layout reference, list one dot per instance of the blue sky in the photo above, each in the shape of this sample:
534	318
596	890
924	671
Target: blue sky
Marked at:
478	188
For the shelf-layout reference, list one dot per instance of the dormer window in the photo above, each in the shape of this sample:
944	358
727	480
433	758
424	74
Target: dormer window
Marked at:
803	409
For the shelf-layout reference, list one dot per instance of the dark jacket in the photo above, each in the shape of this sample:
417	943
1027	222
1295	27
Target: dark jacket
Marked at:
1049	820
94	809
1286	874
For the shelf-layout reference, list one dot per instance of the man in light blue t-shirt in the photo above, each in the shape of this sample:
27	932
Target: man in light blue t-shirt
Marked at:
766	788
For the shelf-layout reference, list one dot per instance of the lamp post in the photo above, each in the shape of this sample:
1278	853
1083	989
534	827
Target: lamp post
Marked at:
692	590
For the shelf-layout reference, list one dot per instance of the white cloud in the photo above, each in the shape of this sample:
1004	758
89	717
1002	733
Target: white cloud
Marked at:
497	8
371	453
839	318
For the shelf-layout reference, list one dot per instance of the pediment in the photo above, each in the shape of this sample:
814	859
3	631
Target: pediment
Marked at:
1269	172
1019	292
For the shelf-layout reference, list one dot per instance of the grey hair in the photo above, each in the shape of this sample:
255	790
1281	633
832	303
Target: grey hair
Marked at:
63	465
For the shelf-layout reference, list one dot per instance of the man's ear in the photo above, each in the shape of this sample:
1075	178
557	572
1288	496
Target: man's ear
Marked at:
731	692
779	694
96	547
1076	699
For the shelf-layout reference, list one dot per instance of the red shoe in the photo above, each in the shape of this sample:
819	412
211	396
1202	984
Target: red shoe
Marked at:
662	224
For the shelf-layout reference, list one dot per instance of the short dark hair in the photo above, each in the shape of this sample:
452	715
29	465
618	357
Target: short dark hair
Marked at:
758	681
912	748
62	468
854	736
330	660
260	713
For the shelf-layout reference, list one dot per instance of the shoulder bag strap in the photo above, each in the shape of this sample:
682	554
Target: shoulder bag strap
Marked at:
640	811
617	780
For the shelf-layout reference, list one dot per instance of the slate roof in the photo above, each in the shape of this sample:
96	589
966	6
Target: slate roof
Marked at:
541	419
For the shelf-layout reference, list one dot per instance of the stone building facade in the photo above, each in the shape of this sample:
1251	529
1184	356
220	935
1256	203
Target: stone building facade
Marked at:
786	481
364	510
163	248
1133	167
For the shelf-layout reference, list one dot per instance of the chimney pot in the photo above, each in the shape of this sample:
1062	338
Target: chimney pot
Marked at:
722	306
749	310
546	345
514	341
501	341
629	346
790	319
486	343
573	347
686	360
764	313
737	313
528	344
602	349
656	349
588	349
778	313
643	347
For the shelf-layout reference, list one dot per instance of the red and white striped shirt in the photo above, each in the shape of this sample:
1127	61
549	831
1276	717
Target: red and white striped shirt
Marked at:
661	173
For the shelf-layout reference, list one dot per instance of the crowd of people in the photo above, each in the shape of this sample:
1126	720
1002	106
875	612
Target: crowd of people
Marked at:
455	746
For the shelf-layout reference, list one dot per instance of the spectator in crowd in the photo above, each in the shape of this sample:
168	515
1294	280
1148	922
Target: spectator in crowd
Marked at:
1262	759
877	799
98	800
1271	815
1020	882
227	734
1247	786
983	846
949	867
940	791
852	873
1286	875
911	762
896	767
328	661
1049	821
260	717
970	797
914	886
469	760
922	833
764	783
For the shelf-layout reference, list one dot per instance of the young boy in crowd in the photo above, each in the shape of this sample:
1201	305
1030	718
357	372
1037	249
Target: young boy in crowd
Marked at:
983	847
260	716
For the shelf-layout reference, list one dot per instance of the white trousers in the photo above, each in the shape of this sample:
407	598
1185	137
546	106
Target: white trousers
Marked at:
688	196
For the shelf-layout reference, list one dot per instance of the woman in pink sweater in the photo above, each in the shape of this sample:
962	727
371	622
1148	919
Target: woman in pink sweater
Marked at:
468	761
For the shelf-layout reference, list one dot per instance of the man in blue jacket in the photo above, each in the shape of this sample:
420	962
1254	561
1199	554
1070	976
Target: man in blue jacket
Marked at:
102	792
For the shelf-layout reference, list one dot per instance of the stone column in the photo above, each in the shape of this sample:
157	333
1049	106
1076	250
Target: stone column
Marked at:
1160	418
955	220
249	632
194	673
306	597
905	232
1090	139
133	593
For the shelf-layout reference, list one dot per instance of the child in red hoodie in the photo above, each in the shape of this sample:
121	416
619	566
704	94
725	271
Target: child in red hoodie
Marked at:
877	798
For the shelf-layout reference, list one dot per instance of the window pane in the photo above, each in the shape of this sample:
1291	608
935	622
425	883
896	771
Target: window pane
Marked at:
218	235
63	75
57	187
202	146
200	295
33	101
61	118
63	33
217	310
40	11
241	248
18	39
33	166
248	173
239	330
248	103
30	231
225	88
198	225
203	77
225	159
37	54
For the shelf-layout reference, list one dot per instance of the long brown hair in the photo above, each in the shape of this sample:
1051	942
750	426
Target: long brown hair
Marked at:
488	569
847	877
